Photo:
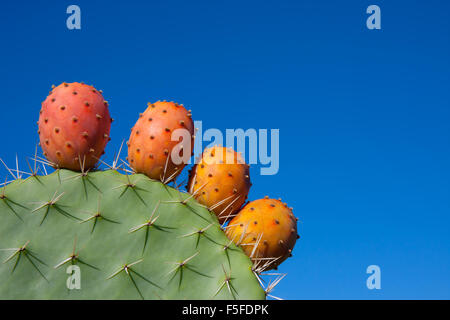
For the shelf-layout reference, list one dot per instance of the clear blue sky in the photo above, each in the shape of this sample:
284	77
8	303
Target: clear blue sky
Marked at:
363	114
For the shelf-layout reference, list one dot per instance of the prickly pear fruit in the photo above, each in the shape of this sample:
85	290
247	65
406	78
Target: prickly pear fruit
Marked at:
267	231
74	125
150	148
221	181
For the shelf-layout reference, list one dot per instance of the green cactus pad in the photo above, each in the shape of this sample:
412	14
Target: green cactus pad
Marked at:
131	238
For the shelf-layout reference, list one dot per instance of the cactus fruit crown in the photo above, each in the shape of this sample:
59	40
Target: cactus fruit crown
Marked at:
82	233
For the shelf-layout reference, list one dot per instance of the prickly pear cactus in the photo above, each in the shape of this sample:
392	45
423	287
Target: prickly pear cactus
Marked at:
130	237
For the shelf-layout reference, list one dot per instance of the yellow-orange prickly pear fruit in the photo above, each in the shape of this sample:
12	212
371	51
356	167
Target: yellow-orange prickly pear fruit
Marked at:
151	150
265	229
221	181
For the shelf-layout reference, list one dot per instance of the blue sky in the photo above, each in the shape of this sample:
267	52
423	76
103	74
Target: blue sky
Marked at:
363	114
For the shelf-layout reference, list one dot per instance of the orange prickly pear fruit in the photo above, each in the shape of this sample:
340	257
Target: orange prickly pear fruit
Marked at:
221	181
265	228
74	125
151	150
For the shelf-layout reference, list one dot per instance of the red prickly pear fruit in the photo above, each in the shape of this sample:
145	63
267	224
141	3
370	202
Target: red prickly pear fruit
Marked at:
74	126
270	226
161	141
221	181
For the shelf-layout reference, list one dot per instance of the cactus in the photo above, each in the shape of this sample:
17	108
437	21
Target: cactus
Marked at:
130	236
74	126
150	148
221	181
82	233
267	230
